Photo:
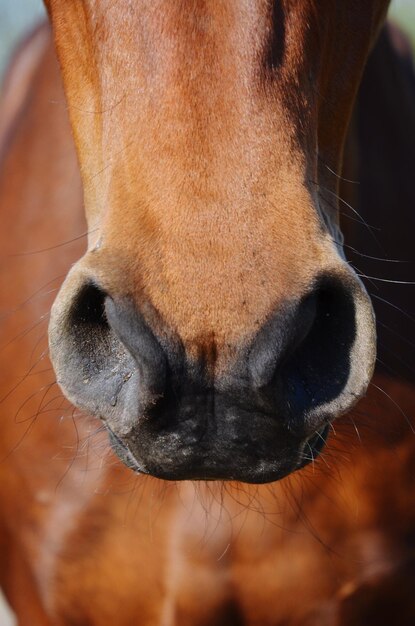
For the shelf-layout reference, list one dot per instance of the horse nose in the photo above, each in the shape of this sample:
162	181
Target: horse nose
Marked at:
250	420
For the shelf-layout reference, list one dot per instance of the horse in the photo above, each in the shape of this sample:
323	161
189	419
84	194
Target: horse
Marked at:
213	326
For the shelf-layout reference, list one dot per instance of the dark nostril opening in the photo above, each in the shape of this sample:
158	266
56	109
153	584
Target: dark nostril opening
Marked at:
88	309
88	327
317	370
105	338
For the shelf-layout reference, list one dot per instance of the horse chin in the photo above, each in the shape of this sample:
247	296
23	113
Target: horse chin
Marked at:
215	465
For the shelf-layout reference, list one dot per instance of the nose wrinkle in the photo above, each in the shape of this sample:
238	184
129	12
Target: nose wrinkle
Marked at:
143	346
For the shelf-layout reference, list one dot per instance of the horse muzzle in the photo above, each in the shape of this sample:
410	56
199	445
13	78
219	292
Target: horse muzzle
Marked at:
263	416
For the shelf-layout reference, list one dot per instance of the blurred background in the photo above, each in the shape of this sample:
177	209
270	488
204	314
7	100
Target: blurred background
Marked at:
18	16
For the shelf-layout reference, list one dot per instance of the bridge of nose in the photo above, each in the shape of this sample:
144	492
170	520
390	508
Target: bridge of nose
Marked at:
215	271
205	205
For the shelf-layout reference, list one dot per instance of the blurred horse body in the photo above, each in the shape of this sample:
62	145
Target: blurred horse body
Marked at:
84	541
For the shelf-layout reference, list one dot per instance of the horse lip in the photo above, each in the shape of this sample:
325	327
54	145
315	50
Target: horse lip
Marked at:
198	470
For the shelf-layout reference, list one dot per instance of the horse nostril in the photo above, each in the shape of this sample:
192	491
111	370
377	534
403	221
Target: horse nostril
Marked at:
101	330
316	372
87	323
307	356
278	339
91	365
106	357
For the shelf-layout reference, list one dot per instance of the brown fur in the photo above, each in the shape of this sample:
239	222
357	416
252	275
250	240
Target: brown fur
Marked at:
245	131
